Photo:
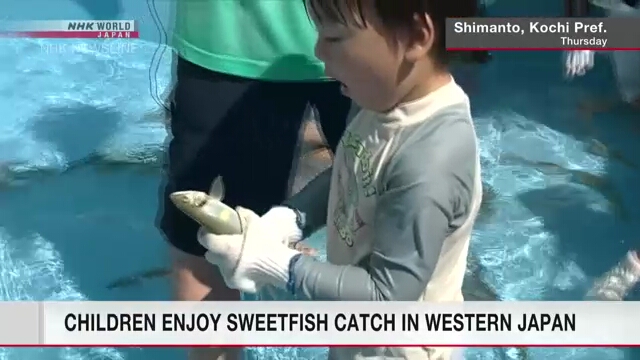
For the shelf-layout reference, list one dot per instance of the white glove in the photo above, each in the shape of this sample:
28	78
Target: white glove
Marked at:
578	62
258	257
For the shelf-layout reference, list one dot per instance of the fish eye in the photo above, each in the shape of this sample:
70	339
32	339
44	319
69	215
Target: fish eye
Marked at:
200	201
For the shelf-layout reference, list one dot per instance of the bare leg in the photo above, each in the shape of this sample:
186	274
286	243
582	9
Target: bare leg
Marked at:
617	282
311	138
315	156
194	279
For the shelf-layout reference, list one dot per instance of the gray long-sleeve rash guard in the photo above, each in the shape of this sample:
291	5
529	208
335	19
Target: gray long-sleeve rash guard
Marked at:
425	192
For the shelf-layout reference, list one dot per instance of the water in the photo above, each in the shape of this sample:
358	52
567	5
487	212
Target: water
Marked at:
69	225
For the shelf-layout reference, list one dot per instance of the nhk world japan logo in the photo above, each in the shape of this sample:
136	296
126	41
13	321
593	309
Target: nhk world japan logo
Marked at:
71	29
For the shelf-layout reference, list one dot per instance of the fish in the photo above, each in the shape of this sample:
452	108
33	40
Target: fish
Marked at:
136	279
209	211
545	167
162	113
14	174
597	183
8	176
146	161
604	187
474	287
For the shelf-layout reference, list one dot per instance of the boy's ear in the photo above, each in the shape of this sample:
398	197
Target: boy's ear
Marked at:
421	38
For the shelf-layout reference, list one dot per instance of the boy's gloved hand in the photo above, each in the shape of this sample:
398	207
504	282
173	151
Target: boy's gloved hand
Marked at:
578	62
259	256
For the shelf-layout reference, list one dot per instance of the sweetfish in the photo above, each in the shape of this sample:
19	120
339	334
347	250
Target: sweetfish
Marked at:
209	211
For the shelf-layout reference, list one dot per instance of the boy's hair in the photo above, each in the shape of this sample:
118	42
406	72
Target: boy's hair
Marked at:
400	17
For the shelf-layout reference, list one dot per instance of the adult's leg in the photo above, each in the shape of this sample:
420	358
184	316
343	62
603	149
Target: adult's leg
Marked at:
626	65
617	282
312	138
334	110
314	155
243	130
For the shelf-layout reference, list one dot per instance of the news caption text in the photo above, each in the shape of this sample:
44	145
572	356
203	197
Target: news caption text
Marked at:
542	33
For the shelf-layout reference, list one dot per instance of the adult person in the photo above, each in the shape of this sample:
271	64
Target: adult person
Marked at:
245	74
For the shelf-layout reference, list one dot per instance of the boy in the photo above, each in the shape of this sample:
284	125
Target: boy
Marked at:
404	190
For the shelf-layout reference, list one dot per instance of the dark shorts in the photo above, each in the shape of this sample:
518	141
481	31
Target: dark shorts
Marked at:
244	130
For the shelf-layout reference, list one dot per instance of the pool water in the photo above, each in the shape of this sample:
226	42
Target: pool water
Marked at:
81	138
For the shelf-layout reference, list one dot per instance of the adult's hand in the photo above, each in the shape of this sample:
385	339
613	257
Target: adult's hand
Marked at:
578	62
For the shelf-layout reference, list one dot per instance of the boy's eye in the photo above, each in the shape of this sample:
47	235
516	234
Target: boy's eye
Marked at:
332	38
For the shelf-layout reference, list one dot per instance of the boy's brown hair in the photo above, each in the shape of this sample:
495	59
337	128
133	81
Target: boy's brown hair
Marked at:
400	16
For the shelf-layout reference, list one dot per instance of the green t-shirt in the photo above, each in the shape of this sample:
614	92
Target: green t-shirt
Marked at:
258	39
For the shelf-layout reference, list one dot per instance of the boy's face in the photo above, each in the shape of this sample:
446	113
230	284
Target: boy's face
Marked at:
369	62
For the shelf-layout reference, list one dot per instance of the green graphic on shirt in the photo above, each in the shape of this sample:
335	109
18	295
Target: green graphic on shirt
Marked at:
354	178
362	161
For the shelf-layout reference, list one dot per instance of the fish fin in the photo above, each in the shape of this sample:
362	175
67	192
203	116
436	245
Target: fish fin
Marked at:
217	189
